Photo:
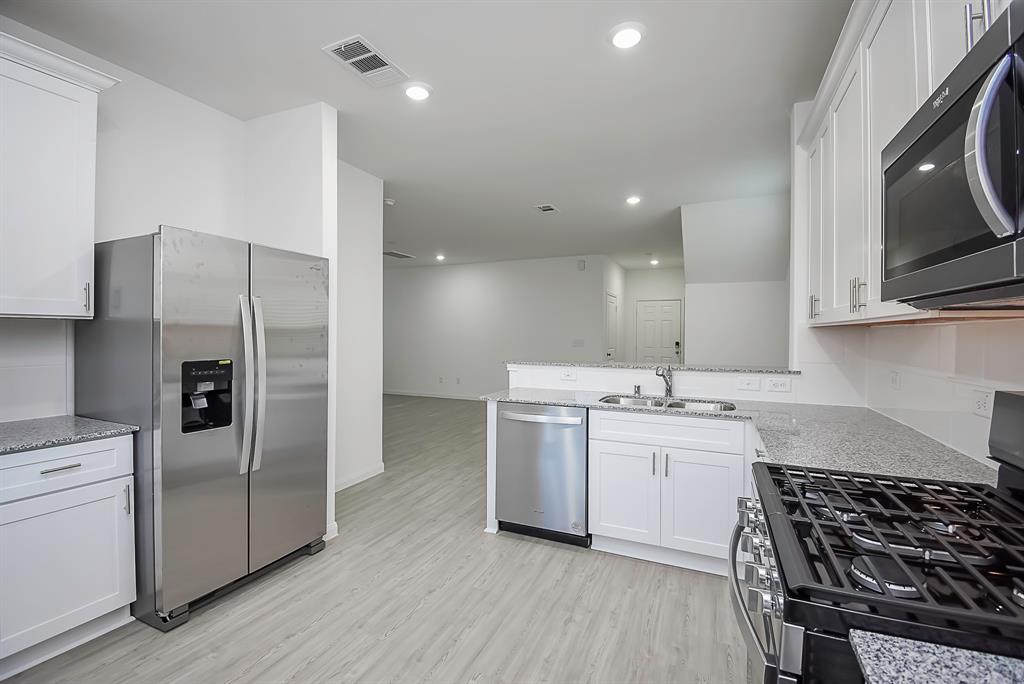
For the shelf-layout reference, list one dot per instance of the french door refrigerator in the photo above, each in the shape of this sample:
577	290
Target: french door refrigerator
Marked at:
217	349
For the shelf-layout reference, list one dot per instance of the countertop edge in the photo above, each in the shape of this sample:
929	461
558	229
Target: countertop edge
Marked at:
41	436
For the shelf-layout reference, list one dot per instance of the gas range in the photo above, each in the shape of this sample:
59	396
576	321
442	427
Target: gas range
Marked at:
930	560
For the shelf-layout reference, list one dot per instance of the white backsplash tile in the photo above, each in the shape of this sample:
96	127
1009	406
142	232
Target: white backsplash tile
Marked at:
33	368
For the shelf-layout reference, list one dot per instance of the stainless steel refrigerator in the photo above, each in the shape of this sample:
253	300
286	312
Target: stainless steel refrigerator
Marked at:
217	349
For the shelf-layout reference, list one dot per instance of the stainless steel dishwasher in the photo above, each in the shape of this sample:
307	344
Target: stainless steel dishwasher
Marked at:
541	473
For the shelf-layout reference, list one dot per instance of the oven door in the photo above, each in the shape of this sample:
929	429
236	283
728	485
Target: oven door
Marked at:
762	654
950	199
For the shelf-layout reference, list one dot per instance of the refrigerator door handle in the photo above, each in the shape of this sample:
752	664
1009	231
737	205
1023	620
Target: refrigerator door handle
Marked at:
261	380
250	385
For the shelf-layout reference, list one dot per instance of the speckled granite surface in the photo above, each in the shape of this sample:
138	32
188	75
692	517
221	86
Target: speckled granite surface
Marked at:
40	433
771	370
893	660
837	437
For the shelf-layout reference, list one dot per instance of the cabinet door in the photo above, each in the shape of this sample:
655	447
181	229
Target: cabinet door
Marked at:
66	558
624	492
47	194
892	78
814	226
848	237
946	29
698	500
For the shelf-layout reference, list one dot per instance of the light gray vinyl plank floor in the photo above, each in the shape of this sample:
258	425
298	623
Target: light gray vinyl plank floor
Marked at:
414	590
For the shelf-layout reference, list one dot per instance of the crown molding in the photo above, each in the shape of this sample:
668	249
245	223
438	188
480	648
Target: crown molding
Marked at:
41	59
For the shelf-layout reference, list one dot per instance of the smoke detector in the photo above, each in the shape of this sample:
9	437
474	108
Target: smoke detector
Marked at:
367	61
546	208
398	255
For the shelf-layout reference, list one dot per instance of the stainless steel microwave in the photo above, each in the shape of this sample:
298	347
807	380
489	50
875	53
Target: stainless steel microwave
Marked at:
952	214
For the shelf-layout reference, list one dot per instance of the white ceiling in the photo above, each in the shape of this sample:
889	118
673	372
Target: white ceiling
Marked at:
531	104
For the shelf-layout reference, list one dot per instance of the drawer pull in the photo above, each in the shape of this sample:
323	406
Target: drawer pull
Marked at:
69	466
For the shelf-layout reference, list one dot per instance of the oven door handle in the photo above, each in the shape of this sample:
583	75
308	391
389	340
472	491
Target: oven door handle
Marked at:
737	598
975	155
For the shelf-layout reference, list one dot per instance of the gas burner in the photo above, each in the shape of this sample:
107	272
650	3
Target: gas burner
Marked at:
954	530
825	513
927	554
1017	595
888	572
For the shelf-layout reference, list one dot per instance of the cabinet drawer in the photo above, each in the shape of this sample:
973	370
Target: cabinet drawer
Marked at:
31	473
683	432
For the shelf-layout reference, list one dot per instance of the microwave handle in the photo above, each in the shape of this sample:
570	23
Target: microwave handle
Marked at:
984	194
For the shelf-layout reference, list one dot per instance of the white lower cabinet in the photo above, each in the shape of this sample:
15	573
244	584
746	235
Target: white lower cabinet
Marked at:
67	558
672	504
698	500
624	491
67	547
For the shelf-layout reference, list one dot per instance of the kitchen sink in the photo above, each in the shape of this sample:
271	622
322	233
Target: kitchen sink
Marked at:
711	406
632	401
658	402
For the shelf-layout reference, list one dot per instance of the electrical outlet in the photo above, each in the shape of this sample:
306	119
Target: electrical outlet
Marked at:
749	384
568	374
981	403
577	343
458	380
780	385
895	380
440	380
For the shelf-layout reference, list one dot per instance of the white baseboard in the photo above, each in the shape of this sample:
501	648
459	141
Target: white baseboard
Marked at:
658	554
428	395
332	531
356	479
54	646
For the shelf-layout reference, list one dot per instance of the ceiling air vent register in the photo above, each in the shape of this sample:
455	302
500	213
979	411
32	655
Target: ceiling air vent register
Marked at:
367	61
398	255
547	208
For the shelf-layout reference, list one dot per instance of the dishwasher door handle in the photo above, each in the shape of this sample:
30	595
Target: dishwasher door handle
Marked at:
541	418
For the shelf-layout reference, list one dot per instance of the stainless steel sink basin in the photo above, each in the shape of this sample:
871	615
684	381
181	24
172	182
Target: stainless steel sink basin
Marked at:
711	406
632	401
658	402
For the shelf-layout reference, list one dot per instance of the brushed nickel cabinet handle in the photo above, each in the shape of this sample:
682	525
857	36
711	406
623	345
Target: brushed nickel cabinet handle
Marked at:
654	456
666	464
128	499
88	296
69	466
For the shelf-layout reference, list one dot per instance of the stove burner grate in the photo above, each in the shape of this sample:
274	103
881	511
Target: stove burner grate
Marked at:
886	571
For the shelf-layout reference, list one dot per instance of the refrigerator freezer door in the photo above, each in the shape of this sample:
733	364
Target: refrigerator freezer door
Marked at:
288	480
202	497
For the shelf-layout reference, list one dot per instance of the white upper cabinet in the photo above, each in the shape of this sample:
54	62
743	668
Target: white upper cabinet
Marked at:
894	87
47	181
900	51
946	27
846	242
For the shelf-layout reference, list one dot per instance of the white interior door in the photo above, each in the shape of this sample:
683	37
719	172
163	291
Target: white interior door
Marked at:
611	325
659	331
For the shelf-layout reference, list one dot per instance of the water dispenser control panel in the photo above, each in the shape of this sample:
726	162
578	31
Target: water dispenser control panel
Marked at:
206	394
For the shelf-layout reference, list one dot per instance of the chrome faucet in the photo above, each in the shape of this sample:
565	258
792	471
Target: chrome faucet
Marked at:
665	373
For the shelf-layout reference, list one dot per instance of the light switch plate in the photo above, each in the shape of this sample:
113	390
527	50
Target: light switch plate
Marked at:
749	384
568	374
780	384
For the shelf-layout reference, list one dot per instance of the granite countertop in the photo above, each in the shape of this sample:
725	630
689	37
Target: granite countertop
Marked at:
893	660
770	370
836	437
40	433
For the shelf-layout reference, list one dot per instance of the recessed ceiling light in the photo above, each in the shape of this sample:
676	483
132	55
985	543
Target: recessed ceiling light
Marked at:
926	167
417	91
440	257
627	35
632	199
654	262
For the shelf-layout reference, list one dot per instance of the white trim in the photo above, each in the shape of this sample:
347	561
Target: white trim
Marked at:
846	48
61	643
403	393
332	531
69	368
658	554
492	465
41	59
365	475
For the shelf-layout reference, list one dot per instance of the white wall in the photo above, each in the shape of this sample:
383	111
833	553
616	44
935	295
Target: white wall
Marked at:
929	376
648	284
448	330
34	369
736	260
737	324
360	343
614	284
